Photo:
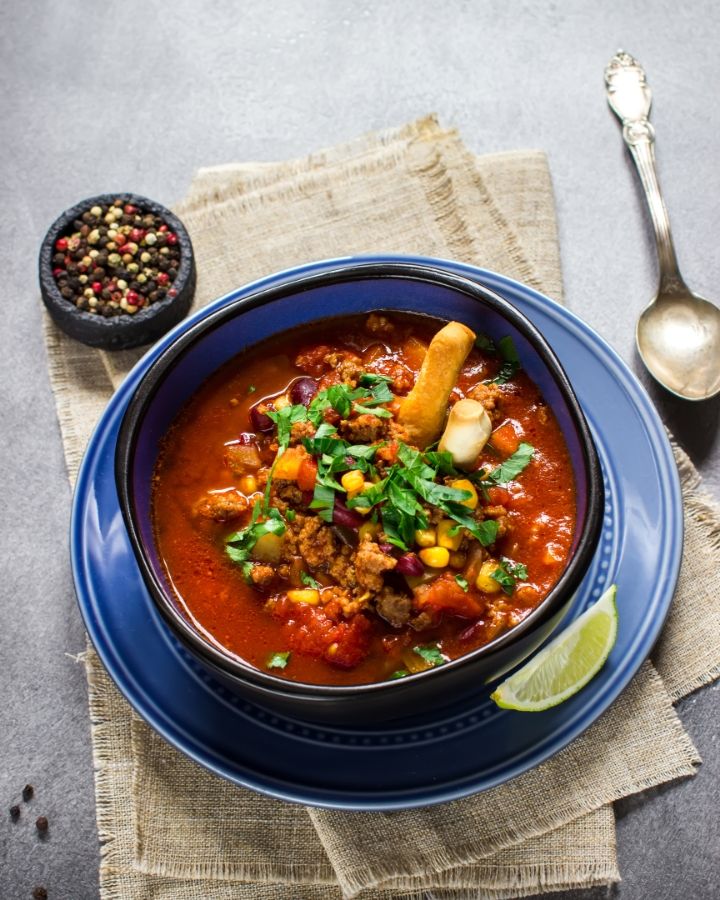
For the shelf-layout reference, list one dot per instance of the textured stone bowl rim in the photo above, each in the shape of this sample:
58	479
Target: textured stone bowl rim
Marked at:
136	327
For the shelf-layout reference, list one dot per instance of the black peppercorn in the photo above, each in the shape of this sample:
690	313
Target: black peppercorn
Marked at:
40	893
15	812
41	823
27	792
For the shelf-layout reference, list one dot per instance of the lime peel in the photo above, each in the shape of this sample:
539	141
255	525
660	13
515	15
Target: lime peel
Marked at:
568	662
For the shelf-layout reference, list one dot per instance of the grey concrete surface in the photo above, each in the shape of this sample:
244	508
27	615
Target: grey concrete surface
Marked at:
98	97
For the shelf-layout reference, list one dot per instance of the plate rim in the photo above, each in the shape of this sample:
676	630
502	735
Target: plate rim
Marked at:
557	738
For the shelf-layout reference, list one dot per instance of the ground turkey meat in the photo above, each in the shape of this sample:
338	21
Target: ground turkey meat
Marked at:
347	365
490	395
222	506
370	564
365	429
394	607
262	575
301	430
316	543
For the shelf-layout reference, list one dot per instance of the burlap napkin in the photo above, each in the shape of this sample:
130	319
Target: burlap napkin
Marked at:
169	829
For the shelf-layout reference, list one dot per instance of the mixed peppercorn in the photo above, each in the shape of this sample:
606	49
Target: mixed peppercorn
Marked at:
117	260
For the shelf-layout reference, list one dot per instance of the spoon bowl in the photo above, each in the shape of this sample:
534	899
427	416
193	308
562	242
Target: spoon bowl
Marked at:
678	338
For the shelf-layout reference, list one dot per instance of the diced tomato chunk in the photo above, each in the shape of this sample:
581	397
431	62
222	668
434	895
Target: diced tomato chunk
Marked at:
445	595
499	496
309	629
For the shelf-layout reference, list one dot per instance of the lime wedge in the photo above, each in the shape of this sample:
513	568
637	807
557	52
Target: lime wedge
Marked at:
566	664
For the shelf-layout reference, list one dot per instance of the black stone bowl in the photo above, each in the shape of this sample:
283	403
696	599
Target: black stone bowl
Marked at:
354	287
125	331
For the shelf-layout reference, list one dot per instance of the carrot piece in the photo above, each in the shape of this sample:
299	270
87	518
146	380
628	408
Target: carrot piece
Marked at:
307	473
505	439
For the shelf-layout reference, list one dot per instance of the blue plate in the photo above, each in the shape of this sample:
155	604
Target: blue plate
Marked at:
474	745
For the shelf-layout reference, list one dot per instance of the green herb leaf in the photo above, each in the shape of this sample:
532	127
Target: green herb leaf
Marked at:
323	501
285	418
463	582
290	515
309	581
431	654
239	544
370	379
378	411
278	660
443	463
508	573
512	467
251	389
400	673
511	360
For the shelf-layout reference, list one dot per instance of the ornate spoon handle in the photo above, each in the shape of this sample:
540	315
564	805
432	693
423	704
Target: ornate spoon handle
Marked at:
630	99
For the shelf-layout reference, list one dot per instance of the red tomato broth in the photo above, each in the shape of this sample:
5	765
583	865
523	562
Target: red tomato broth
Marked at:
211	589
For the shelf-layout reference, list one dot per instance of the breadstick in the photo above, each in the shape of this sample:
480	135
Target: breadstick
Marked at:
423	411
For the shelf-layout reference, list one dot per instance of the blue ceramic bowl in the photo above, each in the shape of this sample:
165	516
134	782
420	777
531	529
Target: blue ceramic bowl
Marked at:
350	289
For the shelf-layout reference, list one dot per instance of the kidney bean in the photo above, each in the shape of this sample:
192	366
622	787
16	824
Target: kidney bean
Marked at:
303	391
344	516
409	564
260	421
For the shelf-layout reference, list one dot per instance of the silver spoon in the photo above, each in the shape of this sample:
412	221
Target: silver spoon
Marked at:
678	334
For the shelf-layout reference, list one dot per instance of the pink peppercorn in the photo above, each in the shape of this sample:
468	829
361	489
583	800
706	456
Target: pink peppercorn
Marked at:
61	244
162	278
132	298
136	235
171	238
58	272
96	286
129	209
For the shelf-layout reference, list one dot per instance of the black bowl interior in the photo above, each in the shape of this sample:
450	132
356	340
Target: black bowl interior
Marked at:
228	332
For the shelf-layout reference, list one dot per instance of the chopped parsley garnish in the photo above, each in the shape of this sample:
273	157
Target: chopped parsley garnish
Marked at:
431	654
239	544
400	673
508	573
510	361
323	500
373	390
290	514
309	581
278	660
463	582
512	467
285	418
251	389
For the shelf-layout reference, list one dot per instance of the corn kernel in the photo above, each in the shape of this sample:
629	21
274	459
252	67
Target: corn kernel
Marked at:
435	557
444	536
457	560
425	537
367	531
462	484
307	595
353	480
248	484
485	582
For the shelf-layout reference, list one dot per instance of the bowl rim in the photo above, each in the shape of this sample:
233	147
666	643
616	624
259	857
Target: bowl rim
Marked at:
235	666
105	328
